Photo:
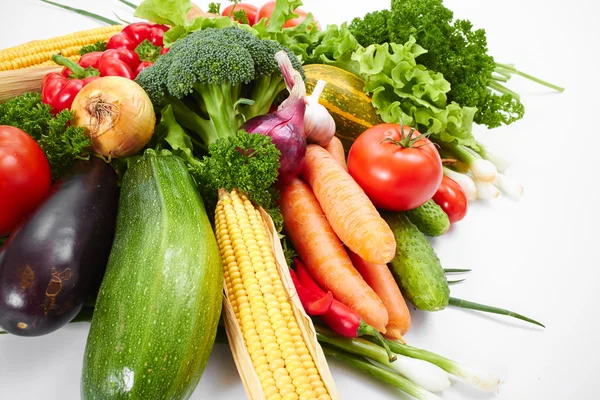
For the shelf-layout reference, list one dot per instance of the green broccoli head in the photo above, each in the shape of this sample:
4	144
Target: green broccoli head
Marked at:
214	79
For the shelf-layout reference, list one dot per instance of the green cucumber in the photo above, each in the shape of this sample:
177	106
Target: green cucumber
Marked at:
429	218
159	305
416	267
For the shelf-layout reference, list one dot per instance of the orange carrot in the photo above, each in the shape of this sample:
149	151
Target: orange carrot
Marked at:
325	256
351	214
381	280
336	149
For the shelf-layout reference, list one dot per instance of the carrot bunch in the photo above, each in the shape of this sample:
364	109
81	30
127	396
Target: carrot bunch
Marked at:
343	241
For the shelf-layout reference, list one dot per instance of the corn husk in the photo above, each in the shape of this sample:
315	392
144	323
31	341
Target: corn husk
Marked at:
17	82
241	356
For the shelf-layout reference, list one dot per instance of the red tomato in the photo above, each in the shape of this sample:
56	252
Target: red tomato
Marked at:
251	11
267	9
395	177
24	177
452	198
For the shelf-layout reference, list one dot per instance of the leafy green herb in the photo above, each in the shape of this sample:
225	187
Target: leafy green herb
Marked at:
241	16
455	49
60	142
89	48
403	91
214	8
148	51
248	162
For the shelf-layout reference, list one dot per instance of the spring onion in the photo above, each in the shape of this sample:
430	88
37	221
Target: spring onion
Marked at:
422	373
380	373
482	169
486	190
508	185
465	182
499	161
479	379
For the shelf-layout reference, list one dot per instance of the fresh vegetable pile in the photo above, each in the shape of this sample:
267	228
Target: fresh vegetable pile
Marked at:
246	176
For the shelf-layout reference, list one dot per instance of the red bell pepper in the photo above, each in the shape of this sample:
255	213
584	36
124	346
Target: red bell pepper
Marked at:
134	34
143	65
119	62
340	318
59	91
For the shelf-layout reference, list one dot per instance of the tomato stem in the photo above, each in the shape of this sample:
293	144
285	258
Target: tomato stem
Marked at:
406	139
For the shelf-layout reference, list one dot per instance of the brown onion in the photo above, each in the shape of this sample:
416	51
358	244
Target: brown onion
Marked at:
117	115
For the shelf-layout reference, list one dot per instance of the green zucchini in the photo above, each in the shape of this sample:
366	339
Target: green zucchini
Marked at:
158	308
416	267
429	219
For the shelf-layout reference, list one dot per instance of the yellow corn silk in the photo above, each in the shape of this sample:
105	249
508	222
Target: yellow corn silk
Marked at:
271	334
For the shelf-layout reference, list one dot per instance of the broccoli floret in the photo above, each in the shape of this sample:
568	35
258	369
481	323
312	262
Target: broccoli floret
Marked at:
215	79
268	81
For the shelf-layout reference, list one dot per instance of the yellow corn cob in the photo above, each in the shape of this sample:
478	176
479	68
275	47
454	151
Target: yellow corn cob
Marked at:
272	335
39	52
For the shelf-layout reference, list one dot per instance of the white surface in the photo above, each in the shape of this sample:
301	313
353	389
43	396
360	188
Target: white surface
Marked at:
536	256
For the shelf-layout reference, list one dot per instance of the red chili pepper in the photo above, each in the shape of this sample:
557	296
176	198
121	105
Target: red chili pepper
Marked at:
164	50
340	318
143	65
59	91
313	304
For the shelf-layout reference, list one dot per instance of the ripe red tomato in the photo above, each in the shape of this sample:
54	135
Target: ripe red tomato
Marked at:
267	9
396	176
452	198
24	177
251	11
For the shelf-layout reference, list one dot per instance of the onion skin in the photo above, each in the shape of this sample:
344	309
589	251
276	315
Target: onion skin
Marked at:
117	115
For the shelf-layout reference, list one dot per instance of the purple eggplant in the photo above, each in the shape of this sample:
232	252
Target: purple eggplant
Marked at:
56	259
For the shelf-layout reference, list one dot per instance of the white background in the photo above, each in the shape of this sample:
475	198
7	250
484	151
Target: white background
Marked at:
537	256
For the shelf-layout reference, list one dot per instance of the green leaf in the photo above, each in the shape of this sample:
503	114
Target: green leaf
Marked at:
168	12
283	11
170	131
89	48
198	24
408	93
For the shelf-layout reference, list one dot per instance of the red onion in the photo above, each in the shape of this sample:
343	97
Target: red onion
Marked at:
286	125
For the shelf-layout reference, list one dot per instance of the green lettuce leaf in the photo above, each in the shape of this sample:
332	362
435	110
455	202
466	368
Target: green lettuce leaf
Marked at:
283	11
406	92
168	12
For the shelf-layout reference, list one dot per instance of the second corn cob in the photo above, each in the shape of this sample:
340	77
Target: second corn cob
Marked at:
263	311
39	52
